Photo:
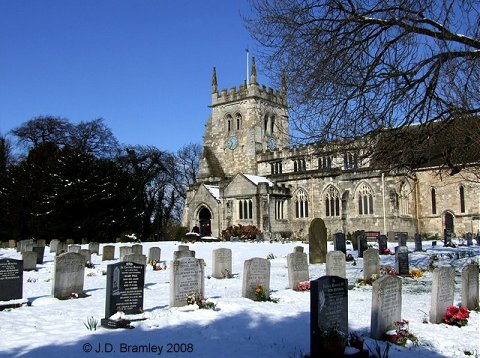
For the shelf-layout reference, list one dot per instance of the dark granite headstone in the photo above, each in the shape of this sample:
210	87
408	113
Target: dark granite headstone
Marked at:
469	237
447	237
362	244
11	279
401	260
402	239
339	242
328	309
382	244
40	250
317	240
125	282
418	242
434	243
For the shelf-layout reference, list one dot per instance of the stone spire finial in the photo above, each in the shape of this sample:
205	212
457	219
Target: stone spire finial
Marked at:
253	76
214	81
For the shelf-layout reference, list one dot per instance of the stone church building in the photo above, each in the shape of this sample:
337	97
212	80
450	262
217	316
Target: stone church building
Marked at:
249	174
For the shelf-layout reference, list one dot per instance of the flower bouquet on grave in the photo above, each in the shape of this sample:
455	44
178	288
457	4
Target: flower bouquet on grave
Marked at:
401	335
456	316
303	286
333	342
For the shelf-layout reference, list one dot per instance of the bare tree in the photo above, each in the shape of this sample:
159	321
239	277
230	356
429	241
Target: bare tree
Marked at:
43	129
356	67
94	138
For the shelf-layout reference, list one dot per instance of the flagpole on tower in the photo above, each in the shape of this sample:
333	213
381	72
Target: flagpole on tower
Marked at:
248	75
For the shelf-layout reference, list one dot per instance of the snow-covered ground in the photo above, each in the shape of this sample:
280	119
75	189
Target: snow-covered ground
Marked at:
238	327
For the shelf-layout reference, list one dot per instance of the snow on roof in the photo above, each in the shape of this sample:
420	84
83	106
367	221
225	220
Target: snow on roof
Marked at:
256	179
214	190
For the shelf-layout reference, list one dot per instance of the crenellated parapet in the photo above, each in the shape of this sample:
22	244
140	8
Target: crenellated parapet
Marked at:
245	91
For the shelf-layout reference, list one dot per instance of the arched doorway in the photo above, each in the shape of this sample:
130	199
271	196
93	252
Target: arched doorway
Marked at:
204	218
449	225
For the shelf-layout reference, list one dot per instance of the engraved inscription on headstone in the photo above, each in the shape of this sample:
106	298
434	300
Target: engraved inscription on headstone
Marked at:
186	278
336	264
68	275
443	287
371	263
470	286
11	279
297	263
401	260
386	305
108	252
256	272
222	263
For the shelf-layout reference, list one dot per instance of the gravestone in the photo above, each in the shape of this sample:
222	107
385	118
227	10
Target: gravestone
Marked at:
62	248
68	275
386	305
317	240
339	242
186	278
336	264
137	249
443	287
256	273
40	251
371	263
402	267
402	239
418	242
53	245
124	291
382	244
94	247
26	245
125	250
447	237
222	263
355	236
469	237
154	253
74	248
434	243
11	279
139	259
362	244
297	263
29	260
40	242
12	244
108	253
328	309
470	286
87	255
183	251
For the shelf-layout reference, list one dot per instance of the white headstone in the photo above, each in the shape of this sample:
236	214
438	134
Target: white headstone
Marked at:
470	286
371	263
297	263
221	263
386	305
68	275
443	289
186	278
336	264
256	274
154	253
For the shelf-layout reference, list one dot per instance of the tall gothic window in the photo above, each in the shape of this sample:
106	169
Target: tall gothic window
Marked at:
265	123
279	209
461	191
229	119
325	162
350	161
332	201
365	200
403	199
238	119
299	165
272	124
245	209
276	168
434	201
301	204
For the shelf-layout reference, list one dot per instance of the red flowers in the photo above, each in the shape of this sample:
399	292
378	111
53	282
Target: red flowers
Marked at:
456	316
303	286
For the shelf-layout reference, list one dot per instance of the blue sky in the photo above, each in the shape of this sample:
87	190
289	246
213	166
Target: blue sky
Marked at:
144	66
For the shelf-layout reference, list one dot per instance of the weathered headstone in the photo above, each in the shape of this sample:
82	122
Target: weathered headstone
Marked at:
402	239
256	274
53	245
186	278
317	240
124	291
29	260
434	243
11	279
26	245
386	305
137	249
154	253
447	237
470	286
40	242
183	251
297	263
62	248
382	244
125	250
68	275
339	242
94	247
108	253
362	244
139	259
418	242
371	263
74	248
336	264
87	255
40	250
222	263
443	287
401	260
469	237
328	310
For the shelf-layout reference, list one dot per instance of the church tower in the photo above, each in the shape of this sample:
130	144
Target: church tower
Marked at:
244	122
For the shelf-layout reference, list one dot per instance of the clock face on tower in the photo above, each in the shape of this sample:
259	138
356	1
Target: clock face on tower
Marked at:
271	143
232	142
